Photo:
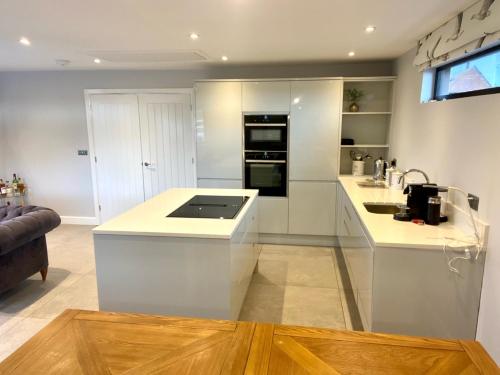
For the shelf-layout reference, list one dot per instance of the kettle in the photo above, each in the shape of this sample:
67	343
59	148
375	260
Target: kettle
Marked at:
380	167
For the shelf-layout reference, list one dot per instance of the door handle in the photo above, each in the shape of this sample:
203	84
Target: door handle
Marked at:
266	161
146	164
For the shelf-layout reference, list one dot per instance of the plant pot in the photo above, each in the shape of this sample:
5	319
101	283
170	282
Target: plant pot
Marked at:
354	107
358	167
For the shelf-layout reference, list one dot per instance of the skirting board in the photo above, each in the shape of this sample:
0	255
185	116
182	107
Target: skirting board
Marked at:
303	240
79	220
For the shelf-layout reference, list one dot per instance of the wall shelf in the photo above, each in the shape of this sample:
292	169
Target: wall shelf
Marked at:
369	128
366	113
364	146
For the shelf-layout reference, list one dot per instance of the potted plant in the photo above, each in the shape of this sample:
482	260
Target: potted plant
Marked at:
353	95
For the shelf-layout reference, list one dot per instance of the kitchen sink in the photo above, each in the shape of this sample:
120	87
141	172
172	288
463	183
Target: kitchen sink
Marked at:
382	208
372	184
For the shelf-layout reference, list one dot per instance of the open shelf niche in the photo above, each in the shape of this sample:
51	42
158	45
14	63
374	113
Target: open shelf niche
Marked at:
369	128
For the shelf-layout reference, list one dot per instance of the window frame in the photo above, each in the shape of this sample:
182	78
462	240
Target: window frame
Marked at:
493	90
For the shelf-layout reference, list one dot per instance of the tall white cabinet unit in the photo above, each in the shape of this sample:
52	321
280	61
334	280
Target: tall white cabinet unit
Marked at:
313	157
315	108
141	144
269	97
219	134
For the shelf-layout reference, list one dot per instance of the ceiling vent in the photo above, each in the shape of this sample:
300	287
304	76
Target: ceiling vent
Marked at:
149	56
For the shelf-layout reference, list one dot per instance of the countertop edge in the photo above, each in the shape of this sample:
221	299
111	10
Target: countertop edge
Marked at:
227	235
162	234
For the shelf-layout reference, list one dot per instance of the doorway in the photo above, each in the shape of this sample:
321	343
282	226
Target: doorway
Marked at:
142	142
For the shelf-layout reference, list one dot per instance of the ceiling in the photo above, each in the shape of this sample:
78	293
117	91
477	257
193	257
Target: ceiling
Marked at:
154	34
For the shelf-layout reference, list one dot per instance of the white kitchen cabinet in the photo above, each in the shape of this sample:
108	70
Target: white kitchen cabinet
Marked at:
219	130
406	290
273	215
314	129
312	208
266	96
215	183
358	255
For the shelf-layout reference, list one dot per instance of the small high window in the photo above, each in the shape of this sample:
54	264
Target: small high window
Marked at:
478	74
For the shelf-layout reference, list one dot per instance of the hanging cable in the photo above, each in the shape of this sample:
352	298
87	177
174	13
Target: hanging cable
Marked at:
465	244
471	216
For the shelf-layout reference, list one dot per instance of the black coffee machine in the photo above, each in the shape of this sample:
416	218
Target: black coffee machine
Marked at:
418	198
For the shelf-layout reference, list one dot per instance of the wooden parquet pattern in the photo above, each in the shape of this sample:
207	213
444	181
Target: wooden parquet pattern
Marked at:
86	342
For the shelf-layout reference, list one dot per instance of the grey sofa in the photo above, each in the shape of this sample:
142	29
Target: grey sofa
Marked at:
23	248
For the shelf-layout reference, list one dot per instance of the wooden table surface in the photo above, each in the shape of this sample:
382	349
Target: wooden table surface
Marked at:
86	342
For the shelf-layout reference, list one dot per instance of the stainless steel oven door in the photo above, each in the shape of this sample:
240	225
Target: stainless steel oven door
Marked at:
268	176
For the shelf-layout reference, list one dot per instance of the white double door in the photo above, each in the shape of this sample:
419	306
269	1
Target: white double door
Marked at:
143	145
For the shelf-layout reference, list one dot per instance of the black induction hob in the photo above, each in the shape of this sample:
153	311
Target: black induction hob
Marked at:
211	207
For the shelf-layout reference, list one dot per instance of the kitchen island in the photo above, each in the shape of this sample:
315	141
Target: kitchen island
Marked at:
147	262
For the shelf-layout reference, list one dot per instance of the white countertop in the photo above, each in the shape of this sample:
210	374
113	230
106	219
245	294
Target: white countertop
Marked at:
383	230
149	218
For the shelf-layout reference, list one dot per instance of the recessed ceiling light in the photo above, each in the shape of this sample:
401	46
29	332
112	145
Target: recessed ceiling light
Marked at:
296	100
351	54
224	58
25	41
194	36
62	62
370	29
97	61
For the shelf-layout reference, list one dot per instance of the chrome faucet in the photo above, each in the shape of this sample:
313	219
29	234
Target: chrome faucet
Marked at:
414	170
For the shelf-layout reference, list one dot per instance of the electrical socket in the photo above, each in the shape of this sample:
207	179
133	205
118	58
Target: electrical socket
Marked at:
473	201
83	152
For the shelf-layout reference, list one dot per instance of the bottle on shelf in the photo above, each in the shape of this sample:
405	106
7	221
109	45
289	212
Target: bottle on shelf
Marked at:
8	188
2	187
14	182
20	185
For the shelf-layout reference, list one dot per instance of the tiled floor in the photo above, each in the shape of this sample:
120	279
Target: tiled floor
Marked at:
296	285
71	283
293	285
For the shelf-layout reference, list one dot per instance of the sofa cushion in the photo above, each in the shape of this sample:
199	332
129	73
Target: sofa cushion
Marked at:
22	224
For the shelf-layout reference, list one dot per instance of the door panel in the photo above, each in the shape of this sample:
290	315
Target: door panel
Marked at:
266	96
167	142
273	215
312	208
219	130
314	130
116	131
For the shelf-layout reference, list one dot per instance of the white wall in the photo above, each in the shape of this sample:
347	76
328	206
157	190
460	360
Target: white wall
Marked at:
457	143
44	120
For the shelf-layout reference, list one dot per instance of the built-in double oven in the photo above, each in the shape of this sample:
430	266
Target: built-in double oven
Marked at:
266	153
